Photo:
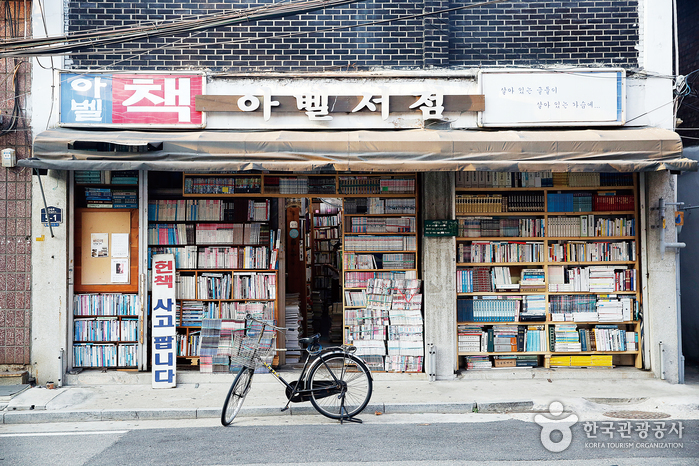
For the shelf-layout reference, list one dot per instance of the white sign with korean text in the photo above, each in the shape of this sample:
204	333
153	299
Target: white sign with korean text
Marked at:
332	103
553	98
163	319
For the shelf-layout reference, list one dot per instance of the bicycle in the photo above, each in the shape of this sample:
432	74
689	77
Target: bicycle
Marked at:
336	382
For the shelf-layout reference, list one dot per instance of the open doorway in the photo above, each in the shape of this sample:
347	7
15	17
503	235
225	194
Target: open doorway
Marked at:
313	266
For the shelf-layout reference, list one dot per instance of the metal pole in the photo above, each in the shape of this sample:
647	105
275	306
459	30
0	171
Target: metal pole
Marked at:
662	359
46	207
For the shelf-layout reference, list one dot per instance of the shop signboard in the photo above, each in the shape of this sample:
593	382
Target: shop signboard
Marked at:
163	318
580	97
440	228
131	100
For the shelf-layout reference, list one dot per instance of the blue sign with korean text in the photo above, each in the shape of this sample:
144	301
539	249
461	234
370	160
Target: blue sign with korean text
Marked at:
52	214
86	98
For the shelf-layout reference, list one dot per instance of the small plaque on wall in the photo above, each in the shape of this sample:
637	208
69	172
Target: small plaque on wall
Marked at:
440	228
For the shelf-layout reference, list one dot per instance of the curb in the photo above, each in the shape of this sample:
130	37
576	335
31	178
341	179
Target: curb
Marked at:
44	416
505	407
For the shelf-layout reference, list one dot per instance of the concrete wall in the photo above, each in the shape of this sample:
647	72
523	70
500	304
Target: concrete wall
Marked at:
50	318
439	273
660	309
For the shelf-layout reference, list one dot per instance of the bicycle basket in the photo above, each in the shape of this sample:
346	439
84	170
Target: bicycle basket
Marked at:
248	350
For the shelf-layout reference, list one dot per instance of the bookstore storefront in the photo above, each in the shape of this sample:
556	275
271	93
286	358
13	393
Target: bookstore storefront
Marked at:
517	238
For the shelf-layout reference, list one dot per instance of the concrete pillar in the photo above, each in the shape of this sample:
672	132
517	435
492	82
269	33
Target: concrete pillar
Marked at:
439	273
50	317
661	311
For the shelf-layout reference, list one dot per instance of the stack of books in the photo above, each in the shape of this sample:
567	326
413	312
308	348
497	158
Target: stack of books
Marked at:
124	199
532	280
527	360
91	177
98	198
478	362
566	338
533	309
469	338
504	338
125	177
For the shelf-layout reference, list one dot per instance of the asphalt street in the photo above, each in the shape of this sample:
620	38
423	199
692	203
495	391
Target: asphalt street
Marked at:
383	440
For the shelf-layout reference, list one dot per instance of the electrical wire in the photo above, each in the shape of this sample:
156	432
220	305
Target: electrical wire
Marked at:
70	43
16	114
301	33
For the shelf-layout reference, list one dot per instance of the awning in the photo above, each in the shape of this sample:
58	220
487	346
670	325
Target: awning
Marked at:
590	150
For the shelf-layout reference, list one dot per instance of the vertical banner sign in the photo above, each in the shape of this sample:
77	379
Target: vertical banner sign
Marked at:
163	321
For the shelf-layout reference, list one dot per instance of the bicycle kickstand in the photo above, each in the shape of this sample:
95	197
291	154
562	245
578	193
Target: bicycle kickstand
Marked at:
345	417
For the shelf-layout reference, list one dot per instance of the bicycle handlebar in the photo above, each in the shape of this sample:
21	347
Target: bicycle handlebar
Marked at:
251	318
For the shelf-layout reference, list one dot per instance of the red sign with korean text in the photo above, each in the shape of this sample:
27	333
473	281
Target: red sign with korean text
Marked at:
156	99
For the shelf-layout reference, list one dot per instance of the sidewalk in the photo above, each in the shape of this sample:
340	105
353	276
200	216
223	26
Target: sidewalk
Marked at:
128	396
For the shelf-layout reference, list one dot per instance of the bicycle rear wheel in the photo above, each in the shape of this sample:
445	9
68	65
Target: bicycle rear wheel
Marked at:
340	385
236	395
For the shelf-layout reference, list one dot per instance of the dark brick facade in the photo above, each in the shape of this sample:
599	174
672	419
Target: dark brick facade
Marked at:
527	33
688	22
15	202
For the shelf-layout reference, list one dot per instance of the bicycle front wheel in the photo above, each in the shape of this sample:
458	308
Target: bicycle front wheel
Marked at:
340	385
236	395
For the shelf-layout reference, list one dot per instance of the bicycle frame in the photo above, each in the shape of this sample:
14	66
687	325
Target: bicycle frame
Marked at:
304	393
298	389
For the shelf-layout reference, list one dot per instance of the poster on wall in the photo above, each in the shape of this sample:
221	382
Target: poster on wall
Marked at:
99	244
120	245
120	271
163	319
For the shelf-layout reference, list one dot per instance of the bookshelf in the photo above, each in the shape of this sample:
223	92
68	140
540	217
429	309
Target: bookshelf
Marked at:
106	189
382	293
106	311
378	234
226	254
547	270
326	237
105	330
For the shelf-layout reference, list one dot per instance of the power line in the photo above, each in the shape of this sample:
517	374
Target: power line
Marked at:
91	39
110	40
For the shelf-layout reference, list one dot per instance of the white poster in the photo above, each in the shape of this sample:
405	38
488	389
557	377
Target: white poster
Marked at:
163	320
120	245
120	271
99	244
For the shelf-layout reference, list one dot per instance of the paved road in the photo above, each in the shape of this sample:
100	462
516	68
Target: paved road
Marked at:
388	439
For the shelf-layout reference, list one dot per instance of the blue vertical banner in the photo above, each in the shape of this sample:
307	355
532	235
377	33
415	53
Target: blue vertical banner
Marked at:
86	98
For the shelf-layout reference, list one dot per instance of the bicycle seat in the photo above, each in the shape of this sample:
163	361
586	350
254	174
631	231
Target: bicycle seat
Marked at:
310	340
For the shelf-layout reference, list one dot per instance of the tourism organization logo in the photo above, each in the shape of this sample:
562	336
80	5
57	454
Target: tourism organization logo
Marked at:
557	434
556	421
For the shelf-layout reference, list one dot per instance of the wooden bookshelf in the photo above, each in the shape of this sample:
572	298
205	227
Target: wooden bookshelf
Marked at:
105	330
326	241
220	242
379	240
106	205
564	218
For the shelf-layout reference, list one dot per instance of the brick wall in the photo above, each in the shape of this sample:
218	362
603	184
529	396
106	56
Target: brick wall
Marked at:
15	203
585	32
